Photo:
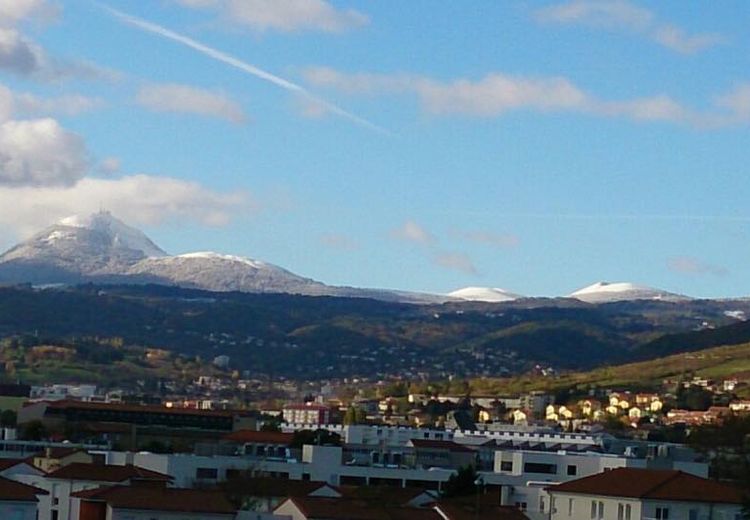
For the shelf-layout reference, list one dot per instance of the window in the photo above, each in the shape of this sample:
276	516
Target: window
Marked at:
620	512
541	504
662	513
627	511
593	510
693	514
206	473
521	505
536	467
506	465
570	507
601	510
572	470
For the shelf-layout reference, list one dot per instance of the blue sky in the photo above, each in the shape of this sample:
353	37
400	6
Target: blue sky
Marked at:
421	145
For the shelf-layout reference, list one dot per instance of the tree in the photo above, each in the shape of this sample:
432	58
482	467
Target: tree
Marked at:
355	415
461	483
8	418
34	431
273	425
316	438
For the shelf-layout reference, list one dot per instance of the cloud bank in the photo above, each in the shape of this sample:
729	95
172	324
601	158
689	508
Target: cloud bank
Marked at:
625	16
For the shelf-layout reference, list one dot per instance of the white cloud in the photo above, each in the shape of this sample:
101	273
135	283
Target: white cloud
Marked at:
139	199
624	15
410	231
693	266
68	105
40	152
598	13
678	40
190	100
497	94
109	165
283	15
737	101
20	55
456	261
14	11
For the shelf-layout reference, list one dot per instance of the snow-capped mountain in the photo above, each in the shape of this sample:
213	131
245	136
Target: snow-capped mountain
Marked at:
604	292
484	294
76	248
100	248
217	272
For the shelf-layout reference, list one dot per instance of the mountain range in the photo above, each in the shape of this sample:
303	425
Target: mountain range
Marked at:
100	248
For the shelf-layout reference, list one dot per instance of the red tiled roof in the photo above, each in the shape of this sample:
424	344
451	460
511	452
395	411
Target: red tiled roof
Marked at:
385	495
17	492
652	484
161	499
261	437
440	445
346	509
458	510
105	473
274	487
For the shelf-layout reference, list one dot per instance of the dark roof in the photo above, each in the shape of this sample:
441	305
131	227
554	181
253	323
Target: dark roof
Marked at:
384	495
58	452
652	484
17	492
273	487
137	408
105	473
9	463
161	499
440	445
262	437
465	510
346	509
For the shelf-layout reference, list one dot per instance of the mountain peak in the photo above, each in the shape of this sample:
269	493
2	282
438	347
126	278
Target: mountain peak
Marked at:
484	294
602	292
121	235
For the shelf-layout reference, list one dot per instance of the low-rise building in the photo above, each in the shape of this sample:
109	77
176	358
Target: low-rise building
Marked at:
633	494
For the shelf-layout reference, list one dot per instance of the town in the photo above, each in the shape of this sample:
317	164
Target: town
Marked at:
70	452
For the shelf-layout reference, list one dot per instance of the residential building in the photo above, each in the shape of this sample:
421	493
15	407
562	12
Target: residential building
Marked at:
635	494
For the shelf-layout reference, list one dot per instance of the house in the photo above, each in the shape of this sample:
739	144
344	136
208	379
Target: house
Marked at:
64	482
306	413
261	443
18	501
318	508
147	502
632	494
53	458
441	454
740	406
470	510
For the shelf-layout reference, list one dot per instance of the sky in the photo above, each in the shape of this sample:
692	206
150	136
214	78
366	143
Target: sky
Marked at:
536	146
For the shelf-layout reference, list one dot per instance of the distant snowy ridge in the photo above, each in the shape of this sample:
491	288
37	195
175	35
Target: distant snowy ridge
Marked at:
604	292
484	294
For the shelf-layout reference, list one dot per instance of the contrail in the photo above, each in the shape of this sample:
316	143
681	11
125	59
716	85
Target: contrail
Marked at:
248	68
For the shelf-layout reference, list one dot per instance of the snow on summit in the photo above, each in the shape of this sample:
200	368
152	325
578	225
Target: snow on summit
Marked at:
484	294
602	292
121	234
